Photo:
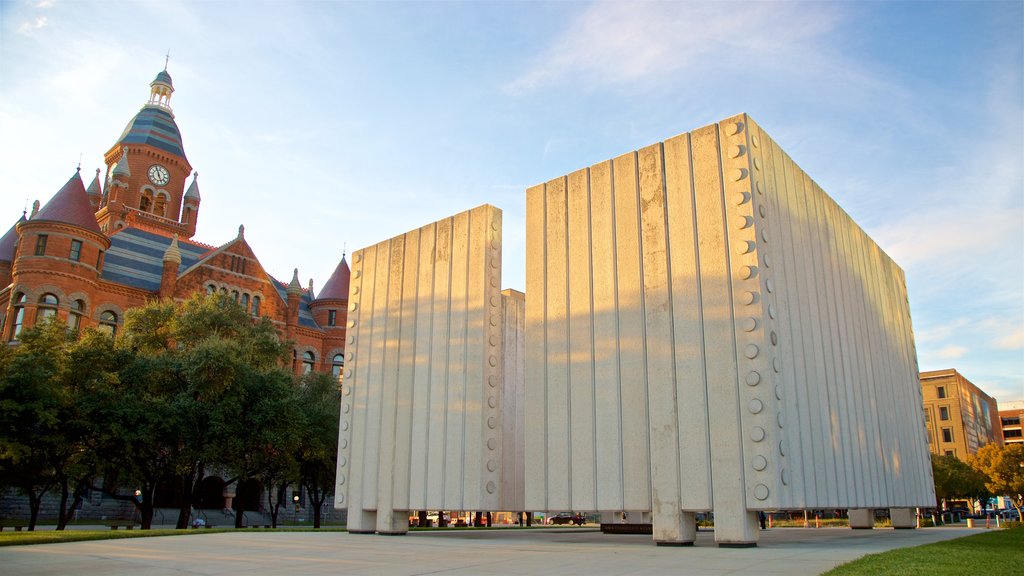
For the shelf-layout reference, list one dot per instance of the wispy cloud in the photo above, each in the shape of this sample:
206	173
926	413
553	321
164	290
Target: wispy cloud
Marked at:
621	42
30	26
950	352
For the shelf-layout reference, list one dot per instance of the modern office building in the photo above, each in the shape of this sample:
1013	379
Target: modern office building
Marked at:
959	416
1010	414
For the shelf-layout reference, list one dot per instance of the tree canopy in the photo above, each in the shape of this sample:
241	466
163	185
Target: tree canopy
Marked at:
1004	466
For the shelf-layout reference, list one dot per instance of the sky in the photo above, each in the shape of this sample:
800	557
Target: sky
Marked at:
330	126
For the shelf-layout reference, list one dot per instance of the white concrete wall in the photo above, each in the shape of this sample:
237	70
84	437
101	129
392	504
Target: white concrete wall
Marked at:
706	329
421	408
513	401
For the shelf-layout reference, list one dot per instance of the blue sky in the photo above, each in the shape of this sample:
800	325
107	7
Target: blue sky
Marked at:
324	124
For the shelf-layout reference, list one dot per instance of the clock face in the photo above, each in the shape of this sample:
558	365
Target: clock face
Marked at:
158	175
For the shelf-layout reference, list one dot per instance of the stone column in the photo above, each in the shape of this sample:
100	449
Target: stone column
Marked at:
903	518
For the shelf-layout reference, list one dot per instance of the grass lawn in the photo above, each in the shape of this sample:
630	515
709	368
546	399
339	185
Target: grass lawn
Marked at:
990	553
55	536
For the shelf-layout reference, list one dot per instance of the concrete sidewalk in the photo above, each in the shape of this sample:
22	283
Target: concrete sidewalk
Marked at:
782	551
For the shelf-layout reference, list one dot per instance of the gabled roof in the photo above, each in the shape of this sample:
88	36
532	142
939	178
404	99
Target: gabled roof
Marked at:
70	205
9	240
154	126
336	287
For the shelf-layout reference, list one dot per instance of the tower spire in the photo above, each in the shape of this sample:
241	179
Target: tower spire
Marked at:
167	59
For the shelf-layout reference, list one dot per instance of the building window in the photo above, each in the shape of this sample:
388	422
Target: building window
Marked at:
76	251
47	308
234	296
41	245
211	289
950	453
1011	421
1011	433
930	439
947	434
19	316
99	261
295	360
943	412
332	317
108	323
75	314
186	215
146	201
255	305
308	361
337	364
245	302
941	391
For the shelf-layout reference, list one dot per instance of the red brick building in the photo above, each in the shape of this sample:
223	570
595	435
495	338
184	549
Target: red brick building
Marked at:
92	253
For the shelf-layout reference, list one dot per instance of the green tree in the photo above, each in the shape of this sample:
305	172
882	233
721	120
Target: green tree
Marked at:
318	452
195	382
1004	466
954	478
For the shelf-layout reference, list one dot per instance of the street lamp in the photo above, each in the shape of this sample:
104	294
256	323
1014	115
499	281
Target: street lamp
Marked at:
295	499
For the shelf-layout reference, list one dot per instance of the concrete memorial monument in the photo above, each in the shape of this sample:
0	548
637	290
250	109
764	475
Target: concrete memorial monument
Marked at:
704	329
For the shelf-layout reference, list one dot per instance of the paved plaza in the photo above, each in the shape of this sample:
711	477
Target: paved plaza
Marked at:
788	551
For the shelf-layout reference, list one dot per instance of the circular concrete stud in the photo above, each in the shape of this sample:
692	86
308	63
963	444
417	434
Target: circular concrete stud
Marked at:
751	351
340	498
355	289
733	128
493	361
764	236
350	356
494	243
771	311
755	141
757	163
761	492
494	320
493	340
769	285
760	210
353	306
341	481
357	273
492	381
352	323
494	300
757	434
735	151
755	406
749	324
344	424
737	174
765	260
491	487
492	422
753	378
345	408
749	298
780	419
745	246
743	222
346	391
774	338
759	463
342	461
343	443
740	198
748	272
357	257
757	186
785	477
492	401
776	364
348	373
494	224
492	443
494	281
778	391
492	465
782	449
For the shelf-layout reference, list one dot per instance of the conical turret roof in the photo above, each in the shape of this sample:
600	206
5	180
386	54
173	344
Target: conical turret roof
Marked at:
336	287
94	187
71	206
9	240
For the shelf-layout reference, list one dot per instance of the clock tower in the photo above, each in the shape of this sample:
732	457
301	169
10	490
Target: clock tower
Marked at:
147	172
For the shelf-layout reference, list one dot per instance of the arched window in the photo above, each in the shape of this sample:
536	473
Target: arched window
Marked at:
224	291
186	215
75	314
146	201
108	323
19	315
295	360
234	296
255	305
47	308
245	302
160	205
337	365
308	361
211	289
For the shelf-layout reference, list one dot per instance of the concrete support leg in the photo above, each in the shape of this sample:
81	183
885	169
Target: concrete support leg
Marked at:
862	518
393	522
903	518
675	529
611	517
737	531
361	522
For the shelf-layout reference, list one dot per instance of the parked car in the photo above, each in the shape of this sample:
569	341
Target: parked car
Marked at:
567	518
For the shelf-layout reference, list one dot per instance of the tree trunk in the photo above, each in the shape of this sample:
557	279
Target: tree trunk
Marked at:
146	506
275	507
423	522
34	501
64	515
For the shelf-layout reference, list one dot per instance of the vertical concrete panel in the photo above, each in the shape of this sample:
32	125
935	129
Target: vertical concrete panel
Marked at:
632	353
455	433
405	393
559	417
607	394
439	342
375	376
661	390
488	247
478	317
350	451
536	432
581	344
687	323
513	462
388	521
420	430
732	522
